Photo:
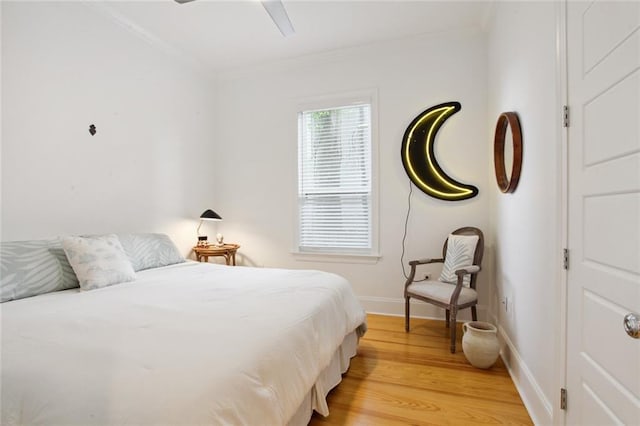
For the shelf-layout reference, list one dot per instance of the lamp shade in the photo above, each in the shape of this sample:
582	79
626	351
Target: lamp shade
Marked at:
210	215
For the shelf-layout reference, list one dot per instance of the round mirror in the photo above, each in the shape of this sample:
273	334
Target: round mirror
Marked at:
507	151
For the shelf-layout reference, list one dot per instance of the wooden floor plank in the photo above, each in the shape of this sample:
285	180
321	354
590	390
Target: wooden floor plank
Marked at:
401	378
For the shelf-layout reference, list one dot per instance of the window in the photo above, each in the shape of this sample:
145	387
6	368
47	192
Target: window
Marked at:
335	197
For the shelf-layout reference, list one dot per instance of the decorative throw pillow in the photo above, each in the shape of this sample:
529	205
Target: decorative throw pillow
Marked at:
98	261
30	268
147	251
460	251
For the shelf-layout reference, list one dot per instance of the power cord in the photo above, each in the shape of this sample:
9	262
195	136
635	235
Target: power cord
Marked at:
404	235
406	223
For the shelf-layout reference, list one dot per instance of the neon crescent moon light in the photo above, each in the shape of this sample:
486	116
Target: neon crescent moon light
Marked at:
419	160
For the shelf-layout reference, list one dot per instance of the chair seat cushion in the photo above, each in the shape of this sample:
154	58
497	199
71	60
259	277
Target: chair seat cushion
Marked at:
441	292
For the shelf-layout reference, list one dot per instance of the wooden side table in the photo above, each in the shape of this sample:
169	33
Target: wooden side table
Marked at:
228	251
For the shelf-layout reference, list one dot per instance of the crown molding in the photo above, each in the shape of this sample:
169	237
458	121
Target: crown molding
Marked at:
106	10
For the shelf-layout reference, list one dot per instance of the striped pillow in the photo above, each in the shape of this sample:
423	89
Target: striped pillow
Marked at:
30	268
146	251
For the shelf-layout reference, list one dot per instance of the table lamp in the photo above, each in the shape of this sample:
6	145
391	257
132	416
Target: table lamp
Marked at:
207	215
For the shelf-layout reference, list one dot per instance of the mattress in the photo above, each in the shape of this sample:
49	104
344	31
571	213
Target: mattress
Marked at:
193	343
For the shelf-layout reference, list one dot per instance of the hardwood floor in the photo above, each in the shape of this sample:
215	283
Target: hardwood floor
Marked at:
401	378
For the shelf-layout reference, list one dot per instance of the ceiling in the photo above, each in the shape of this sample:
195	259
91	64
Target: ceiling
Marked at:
220	35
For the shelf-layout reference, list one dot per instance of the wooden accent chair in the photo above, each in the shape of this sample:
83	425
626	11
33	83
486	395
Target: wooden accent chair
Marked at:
453	295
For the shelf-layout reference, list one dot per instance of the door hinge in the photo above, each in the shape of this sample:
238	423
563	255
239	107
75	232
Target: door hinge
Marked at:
565	258
565	116
563	399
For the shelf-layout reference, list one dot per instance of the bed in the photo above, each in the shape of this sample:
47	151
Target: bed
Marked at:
183	343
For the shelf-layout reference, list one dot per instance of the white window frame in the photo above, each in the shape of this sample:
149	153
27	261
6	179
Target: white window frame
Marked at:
369	96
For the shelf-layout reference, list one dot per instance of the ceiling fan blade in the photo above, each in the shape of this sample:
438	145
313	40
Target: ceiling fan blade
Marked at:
278	14
276	11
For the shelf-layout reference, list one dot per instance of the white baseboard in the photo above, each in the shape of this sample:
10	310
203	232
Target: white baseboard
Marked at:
538	405
395	307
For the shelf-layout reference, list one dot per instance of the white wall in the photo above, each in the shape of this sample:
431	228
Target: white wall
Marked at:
526	226
256	161
68	65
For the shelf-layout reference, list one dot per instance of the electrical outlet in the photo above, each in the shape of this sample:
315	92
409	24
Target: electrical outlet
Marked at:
505	304
512	307
508	306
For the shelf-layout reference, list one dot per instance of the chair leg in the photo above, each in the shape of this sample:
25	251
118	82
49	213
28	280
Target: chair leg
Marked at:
447	317
406	313
474	313
452	331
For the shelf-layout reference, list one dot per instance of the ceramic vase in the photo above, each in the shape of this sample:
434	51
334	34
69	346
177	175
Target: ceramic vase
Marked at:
480	343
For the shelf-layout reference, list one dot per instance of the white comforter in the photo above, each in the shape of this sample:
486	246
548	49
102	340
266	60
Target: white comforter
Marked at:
194	343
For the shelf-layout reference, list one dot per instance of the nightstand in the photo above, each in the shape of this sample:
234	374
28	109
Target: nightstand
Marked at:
228	251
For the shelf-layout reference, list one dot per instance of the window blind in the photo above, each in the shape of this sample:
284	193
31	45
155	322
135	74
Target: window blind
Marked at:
334	179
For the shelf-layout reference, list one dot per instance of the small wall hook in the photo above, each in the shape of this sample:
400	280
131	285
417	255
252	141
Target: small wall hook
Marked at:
92	129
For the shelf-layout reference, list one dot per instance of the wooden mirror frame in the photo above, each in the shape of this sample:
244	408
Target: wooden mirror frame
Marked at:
507	119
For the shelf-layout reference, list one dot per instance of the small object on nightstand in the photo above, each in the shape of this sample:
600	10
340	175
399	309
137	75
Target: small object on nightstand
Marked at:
202	241
220	239
228	251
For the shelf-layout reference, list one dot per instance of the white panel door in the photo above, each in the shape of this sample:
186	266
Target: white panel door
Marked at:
603	361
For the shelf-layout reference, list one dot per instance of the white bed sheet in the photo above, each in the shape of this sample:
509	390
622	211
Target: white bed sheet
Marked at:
194	343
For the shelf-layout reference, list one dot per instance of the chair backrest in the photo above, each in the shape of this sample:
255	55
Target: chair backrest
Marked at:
477	257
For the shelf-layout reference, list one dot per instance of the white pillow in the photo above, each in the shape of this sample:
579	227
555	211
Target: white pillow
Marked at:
98	261
460	251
